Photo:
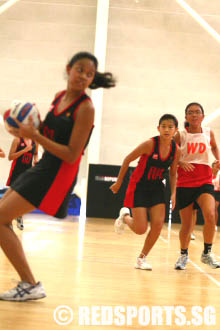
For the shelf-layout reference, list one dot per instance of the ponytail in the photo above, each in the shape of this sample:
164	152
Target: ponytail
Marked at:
105	80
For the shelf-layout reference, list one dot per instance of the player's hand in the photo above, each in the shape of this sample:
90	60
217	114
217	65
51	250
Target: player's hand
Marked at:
173	200
217	164
186	166
35	160
24	130
115	187
28	148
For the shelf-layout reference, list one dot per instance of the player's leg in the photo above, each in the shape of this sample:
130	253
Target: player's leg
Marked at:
194	219
184	236
185	198
138	221
216	214
206	202
20	223
11	245
157	216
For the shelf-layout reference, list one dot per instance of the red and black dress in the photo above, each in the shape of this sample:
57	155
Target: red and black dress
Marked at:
49	183
146	188
22	163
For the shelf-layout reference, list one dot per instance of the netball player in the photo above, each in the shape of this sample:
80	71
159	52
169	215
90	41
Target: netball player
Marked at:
47	186
23	153
146	190
194	183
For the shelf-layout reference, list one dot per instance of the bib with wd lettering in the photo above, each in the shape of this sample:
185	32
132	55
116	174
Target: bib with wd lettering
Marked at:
195	147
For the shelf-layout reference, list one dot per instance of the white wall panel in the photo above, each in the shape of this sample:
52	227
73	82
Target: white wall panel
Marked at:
37	39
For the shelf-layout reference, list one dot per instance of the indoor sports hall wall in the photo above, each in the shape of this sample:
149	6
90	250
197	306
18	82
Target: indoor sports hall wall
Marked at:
162	58
37	38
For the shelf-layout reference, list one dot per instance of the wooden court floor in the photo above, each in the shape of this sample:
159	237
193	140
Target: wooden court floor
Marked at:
90	270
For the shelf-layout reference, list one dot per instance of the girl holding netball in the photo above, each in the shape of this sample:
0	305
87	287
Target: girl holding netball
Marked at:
194	183
47	186
146	190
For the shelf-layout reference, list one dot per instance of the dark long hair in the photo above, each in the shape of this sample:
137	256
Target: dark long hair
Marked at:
104	80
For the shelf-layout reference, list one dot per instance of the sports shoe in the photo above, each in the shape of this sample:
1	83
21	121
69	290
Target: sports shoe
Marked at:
119	222
192	237
24	291
210	260
181	262
142	264
20	223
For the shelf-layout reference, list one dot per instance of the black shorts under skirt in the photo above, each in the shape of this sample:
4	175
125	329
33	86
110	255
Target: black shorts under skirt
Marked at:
217	195
145	196
188	195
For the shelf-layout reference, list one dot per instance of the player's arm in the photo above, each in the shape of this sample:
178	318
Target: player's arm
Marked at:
173	175
218	176
35	157
214	146
79	136
144	148
13	154
12	151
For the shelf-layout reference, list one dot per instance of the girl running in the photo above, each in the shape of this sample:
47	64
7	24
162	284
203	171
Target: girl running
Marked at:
146	190
194	183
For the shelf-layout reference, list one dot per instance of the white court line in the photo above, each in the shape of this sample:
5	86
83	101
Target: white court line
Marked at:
175	232
163	239
81	230
206	274
198	268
